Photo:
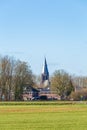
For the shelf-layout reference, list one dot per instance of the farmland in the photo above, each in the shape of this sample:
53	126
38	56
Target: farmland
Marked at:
43	116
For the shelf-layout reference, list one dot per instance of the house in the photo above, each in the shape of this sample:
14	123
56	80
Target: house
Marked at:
30	93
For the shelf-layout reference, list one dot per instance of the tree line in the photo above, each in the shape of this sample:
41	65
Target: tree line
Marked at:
15	74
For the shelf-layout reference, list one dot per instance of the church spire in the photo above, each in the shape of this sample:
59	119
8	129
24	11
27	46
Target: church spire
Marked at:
45	72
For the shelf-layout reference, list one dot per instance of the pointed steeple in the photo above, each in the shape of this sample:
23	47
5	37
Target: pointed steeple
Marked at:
45	72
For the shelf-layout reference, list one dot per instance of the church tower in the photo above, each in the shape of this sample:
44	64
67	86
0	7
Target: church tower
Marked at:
45	76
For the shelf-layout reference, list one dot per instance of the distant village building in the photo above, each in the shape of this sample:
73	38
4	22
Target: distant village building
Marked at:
29	93
45	83
43	92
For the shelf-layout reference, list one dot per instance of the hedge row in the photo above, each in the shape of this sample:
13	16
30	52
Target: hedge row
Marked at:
40	103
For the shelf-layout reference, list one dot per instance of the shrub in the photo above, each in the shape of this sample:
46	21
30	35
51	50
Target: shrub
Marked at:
79	95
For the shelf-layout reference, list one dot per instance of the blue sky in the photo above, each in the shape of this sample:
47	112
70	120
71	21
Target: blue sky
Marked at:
57	29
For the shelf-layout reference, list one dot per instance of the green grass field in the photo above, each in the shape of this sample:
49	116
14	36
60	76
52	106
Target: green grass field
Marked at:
43	116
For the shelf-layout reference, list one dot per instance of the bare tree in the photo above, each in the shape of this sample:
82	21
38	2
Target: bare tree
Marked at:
61	83
6	76
23	76
79	82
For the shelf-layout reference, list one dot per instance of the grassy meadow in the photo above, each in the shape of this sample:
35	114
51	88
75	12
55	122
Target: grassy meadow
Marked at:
43	116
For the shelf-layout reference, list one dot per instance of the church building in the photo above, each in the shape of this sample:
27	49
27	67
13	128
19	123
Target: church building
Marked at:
45	83
43	92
